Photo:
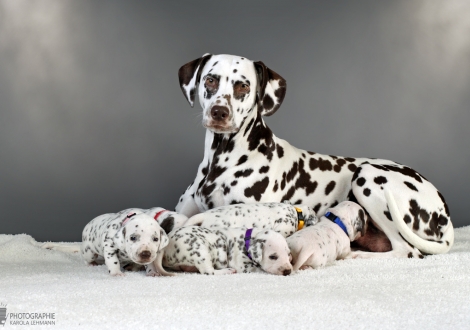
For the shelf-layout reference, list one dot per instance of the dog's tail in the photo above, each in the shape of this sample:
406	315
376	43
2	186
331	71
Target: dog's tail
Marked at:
195	220
63	247
430	247
158	264
302	257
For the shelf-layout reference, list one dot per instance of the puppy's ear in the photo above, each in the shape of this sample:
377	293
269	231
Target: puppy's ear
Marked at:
271	89
257	250
360	224
164	240
189	75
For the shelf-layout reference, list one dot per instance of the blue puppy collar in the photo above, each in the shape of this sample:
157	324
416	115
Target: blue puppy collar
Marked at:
336	220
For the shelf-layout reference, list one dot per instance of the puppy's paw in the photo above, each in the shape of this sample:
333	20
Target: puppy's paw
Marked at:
118	273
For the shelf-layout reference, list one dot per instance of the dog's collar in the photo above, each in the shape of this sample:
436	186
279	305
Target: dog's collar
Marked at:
336	220
247	242
129	216
300	217
159	214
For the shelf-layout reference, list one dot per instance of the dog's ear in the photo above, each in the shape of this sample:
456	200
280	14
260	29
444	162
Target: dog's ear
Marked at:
271	89
164	240
189	75
257	250
360	224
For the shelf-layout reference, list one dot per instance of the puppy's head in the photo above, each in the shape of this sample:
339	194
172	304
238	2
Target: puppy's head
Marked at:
310	216
170	220
353	216
142	238
229	87
271	252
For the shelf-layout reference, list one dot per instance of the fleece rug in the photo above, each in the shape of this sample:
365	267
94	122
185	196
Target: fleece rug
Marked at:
55	290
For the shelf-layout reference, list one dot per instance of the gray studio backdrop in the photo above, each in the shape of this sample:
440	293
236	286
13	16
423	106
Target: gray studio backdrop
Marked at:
93	120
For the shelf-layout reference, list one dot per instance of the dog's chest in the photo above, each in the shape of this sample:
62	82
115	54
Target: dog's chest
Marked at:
294	175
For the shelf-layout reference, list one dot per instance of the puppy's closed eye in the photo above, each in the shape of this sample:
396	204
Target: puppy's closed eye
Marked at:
273	257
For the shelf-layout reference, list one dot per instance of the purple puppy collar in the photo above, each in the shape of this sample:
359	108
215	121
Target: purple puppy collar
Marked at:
247	241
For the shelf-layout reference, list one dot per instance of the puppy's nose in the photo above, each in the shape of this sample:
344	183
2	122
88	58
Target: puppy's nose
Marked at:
286	272
219	113
145	254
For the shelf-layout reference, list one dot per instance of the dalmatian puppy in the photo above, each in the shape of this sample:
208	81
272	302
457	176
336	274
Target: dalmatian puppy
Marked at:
330	239
283	218
124	237
168	220
244	162
227	251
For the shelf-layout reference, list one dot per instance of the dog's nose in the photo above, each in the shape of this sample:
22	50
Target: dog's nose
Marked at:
219	113
145	254
286	272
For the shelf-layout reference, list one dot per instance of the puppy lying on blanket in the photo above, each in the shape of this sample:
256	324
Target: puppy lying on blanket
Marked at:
125	237
227	251
168	220
283	218
328	240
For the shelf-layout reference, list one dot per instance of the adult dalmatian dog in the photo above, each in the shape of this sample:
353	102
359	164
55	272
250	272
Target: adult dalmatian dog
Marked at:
244	162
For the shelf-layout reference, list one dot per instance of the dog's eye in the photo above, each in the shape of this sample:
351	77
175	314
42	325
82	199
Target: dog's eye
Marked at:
273	257
245	87
133	238
155	239
211	82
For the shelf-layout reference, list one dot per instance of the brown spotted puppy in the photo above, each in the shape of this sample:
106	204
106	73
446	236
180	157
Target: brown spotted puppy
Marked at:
227	251
330	239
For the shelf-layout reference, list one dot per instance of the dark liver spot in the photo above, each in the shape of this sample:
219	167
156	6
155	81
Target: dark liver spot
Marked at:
407	218
268	102
356	174
366	192
242	159
280	151
410	185
380	180
360	182
168	224
289	194
244	173
329	187
405	171
321	164
388	215
317	207
352	167
276	187
264	169
257	189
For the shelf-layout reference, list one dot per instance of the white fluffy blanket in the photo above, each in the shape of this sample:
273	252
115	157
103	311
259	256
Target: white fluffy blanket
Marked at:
429	293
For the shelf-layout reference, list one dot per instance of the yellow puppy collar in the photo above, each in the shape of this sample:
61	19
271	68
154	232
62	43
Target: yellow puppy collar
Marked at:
301	218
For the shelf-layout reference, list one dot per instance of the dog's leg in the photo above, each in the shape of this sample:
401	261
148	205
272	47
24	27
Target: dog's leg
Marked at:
187	206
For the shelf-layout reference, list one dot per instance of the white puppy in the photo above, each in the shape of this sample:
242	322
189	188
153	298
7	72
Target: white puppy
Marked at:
122	237
227	251
283	218
330	239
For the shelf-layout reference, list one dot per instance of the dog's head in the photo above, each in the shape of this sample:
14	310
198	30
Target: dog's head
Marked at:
353	216
142	237
271	252
229	89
